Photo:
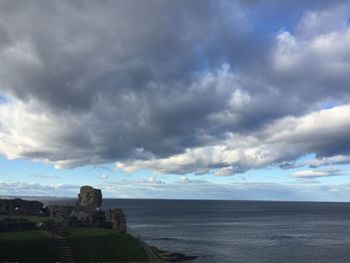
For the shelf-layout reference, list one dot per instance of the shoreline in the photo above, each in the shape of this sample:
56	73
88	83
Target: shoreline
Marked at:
167	256
157	255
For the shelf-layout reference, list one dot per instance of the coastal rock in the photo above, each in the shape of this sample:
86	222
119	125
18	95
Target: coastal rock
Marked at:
117	218
167	256
89	197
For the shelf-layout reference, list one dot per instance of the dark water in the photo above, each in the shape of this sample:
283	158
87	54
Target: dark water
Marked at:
235	231
243	231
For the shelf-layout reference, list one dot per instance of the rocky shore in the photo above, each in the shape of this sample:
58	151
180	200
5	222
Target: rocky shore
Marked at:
157	255
167	256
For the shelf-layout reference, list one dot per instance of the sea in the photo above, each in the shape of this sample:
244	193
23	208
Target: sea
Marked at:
242	231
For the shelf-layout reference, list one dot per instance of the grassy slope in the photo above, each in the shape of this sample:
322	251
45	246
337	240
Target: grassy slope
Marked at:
98	244
27	246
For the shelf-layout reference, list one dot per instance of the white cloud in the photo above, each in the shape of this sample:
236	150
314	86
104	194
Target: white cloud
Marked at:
31	132
195	189
102	176
154	180
316	173
337	159
316	55
284	139
328	53
184	179
225	171
315	23
50	176
322	37
17	188
93	94
199	189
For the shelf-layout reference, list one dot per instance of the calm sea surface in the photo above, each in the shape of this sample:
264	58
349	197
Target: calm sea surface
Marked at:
243	231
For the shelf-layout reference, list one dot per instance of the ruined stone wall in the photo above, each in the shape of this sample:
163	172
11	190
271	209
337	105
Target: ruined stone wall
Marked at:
89	197
60	210
118	219
21	207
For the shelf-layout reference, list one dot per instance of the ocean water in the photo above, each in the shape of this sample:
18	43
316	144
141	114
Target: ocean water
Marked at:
243	231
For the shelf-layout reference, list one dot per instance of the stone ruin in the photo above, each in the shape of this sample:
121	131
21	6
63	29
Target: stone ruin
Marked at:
89	197
18	206
118	219
88	212
60	210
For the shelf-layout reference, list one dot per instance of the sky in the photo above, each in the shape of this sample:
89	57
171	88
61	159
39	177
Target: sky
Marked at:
246	100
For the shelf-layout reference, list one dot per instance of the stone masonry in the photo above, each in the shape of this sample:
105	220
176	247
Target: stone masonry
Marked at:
118	219
89	197
18	206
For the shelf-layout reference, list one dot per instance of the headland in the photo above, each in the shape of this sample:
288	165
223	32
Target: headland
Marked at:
84	232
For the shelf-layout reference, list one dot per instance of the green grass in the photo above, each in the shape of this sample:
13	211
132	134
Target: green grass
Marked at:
101	245
36	219
88	245
27	246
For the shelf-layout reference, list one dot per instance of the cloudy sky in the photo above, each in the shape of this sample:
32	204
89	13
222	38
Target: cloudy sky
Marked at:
176	99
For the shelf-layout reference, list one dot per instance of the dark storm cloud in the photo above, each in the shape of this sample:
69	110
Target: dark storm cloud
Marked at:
93	50
128	81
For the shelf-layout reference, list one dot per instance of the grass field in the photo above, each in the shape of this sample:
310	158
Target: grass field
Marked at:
36	219
105	245
88	245
27	246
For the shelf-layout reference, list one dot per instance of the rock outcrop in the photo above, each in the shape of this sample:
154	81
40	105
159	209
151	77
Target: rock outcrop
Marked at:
167	256
89	197
118	219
